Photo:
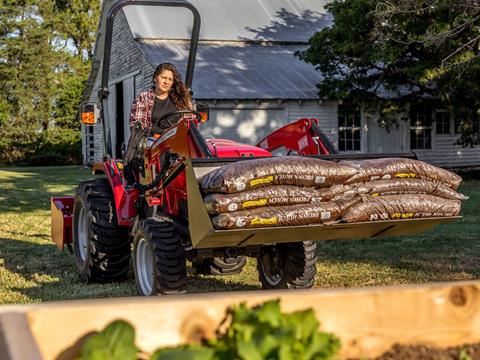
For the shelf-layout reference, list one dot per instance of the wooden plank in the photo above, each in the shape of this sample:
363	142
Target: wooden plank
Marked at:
368	321
16	339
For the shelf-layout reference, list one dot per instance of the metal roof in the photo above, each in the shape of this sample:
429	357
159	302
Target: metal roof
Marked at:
265	20
240	70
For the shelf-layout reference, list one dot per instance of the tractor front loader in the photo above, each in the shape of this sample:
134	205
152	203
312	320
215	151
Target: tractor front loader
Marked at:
151	201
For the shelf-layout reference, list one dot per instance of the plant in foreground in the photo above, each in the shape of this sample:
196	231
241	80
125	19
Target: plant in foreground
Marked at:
262	332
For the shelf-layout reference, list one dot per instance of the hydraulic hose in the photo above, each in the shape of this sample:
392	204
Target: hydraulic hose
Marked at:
160	176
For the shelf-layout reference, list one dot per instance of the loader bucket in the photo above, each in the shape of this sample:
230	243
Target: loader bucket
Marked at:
204	235
62	208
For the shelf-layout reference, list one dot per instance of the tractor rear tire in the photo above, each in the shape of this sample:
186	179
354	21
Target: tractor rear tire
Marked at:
160	264
100	246
220	265
288	265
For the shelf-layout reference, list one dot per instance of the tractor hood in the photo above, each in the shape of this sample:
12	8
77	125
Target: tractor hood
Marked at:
229	148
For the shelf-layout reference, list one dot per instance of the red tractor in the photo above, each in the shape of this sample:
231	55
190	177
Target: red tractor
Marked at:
151	199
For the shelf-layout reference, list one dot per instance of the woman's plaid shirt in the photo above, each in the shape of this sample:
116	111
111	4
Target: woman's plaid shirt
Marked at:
142	109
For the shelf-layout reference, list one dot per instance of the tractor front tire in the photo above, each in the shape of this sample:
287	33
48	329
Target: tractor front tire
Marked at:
101	247
159	257
288	265
220	265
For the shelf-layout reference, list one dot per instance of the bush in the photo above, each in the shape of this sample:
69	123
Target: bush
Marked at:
54	146
58	147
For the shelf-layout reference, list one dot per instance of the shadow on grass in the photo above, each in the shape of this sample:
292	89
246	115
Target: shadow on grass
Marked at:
430	257
44	274
30	189
202	284
48	274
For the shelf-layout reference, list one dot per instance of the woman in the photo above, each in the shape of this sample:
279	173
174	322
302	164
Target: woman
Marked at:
168	94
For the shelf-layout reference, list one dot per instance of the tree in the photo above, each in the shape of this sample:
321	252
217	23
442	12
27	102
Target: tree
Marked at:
386	55
75	24
26	65
45	54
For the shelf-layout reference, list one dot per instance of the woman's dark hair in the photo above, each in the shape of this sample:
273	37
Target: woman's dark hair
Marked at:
179	93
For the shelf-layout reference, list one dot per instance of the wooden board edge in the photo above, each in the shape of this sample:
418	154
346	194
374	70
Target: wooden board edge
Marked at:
16	338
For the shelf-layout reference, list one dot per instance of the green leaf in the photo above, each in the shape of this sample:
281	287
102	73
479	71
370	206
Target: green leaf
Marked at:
304	323
285	352
116	341
269	313
248	351
188	352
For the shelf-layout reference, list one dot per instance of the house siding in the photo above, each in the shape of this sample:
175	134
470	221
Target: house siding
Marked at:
126	57
446	154
249	121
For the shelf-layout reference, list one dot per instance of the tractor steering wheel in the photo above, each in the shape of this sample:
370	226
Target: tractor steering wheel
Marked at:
196	114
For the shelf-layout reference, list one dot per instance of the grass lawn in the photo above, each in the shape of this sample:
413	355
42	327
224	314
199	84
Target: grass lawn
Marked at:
33	270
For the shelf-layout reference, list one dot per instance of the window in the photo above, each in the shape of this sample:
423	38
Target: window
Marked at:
442	120
349	128
458	124
467	119
420	127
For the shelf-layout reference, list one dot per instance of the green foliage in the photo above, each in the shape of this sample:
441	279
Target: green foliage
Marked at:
116	341
388	55
45	57
27	64
49	147
68	102
464	355
75	21
259	333
263	332
57	146
4	111
190	352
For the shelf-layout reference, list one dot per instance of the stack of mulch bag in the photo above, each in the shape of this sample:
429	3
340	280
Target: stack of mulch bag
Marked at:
292	190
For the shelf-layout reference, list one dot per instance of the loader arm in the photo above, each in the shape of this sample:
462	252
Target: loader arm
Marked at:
302	137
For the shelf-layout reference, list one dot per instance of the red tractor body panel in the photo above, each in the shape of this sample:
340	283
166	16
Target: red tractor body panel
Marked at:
298	136
125	198
228	148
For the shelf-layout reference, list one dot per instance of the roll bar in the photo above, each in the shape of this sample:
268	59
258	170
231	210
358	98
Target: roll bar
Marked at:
103	92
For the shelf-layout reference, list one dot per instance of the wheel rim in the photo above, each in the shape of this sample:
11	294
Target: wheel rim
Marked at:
82	234
271	265
144	266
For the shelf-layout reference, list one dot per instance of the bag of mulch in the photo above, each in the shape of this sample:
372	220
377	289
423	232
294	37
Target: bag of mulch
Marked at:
395	207
407	186
278	216
283	170
394	168
325	212
274	195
